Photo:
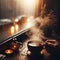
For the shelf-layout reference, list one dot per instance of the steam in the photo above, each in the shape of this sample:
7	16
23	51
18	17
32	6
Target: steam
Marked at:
44	27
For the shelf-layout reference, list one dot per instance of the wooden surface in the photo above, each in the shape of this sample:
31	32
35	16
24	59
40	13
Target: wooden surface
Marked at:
23	55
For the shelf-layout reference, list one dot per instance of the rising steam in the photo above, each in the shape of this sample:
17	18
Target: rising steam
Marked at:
45	25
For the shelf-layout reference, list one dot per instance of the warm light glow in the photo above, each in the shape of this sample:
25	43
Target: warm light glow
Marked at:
17	27
26	7
14	47
30	6
29	2
16	20
12	30
32	17
30	22
29	53
8	51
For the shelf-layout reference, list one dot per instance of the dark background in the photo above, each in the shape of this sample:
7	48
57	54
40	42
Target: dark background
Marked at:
54	5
